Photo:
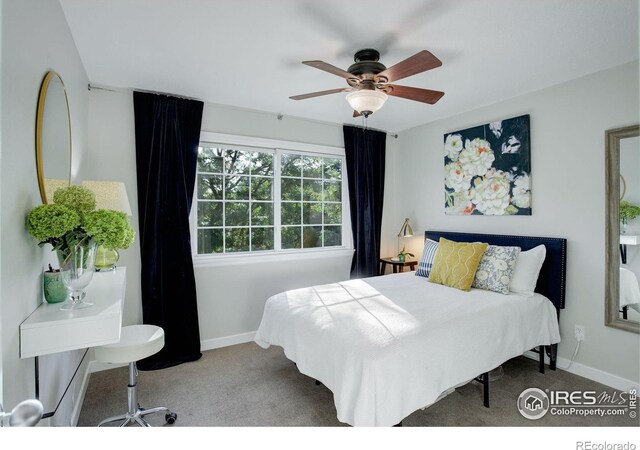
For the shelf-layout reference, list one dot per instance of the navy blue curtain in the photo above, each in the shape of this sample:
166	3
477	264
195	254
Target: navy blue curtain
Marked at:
365	156
167	136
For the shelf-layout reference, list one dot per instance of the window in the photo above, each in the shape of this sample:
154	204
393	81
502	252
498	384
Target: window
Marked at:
252	199
311	201
234	200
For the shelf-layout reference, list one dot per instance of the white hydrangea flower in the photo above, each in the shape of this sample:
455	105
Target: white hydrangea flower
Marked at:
460	204
476	157
455	178
491	193
522	191
453	146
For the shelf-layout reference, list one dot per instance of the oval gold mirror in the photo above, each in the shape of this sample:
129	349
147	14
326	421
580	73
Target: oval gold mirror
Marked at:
53	137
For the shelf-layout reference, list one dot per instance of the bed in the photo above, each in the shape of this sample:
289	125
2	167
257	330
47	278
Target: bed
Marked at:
389	345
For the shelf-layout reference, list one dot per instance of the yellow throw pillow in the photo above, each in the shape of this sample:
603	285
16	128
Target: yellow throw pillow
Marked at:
456	263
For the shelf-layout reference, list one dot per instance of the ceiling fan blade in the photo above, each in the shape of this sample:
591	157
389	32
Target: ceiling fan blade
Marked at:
356	114
420	62
417	94
329	68
318	94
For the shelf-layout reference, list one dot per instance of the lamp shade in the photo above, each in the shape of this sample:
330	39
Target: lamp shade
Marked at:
53	184
366	100
110	195
406	230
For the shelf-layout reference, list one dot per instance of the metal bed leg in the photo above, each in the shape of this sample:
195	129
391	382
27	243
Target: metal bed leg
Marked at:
541	353
485	385
553	356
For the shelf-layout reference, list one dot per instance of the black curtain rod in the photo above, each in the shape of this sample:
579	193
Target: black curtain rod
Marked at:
90	87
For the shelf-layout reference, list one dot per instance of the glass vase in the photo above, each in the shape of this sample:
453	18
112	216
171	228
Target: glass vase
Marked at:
77	266
623	226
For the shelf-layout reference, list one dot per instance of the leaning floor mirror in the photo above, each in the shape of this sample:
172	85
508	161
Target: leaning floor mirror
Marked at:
622	302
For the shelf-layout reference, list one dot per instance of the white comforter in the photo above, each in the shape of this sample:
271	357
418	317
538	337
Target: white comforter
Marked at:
389	345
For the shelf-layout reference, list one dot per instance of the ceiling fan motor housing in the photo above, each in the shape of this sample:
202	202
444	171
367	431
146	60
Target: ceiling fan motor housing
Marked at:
366	62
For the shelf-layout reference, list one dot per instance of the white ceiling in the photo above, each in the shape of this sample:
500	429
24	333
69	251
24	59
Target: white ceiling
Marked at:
247	53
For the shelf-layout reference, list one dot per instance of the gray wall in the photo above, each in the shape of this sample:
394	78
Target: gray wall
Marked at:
230	296
568	122
35	39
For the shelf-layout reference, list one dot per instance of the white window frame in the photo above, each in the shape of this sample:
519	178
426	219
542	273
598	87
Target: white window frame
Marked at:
277	147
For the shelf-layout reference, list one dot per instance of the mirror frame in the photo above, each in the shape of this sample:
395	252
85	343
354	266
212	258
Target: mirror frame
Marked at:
39	124
612	205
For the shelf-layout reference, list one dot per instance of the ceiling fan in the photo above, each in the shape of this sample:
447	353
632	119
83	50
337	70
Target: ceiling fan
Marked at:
369	80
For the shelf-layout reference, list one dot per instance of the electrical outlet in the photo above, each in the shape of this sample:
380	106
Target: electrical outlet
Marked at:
579	331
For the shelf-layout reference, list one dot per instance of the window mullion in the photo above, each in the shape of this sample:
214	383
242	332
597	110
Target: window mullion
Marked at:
224	202
250	203
277	208
301	243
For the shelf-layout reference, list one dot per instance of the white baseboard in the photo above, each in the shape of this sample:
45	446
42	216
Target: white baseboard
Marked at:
591	373
227	341
209	344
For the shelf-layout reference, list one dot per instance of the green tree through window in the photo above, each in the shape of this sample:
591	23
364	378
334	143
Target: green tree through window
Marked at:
235	200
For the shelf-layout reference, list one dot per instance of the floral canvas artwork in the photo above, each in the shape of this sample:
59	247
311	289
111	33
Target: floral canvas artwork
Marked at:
487	169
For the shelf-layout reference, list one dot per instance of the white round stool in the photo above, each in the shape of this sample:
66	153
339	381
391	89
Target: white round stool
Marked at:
136	342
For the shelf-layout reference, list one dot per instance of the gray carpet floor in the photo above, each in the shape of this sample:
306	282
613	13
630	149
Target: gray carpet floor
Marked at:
245	385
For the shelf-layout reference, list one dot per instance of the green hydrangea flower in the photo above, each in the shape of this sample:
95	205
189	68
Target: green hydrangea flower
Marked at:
109	228
628	211
48	223
72	218
79	198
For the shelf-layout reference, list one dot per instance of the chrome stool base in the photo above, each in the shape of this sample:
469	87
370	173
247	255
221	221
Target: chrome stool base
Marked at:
136	414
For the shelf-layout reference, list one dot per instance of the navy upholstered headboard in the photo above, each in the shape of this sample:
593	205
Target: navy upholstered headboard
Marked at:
551	282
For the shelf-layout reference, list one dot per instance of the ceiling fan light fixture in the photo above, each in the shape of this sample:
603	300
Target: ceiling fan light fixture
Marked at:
366	101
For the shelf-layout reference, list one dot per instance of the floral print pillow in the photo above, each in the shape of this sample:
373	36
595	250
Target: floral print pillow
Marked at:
495	269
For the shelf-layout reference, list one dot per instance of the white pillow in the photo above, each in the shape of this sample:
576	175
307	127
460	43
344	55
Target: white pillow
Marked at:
526	271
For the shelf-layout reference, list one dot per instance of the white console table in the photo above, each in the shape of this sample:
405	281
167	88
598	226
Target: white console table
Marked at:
49	330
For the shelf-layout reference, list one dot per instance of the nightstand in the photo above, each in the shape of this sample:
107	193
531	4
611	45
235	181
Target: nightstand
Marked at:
411	263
